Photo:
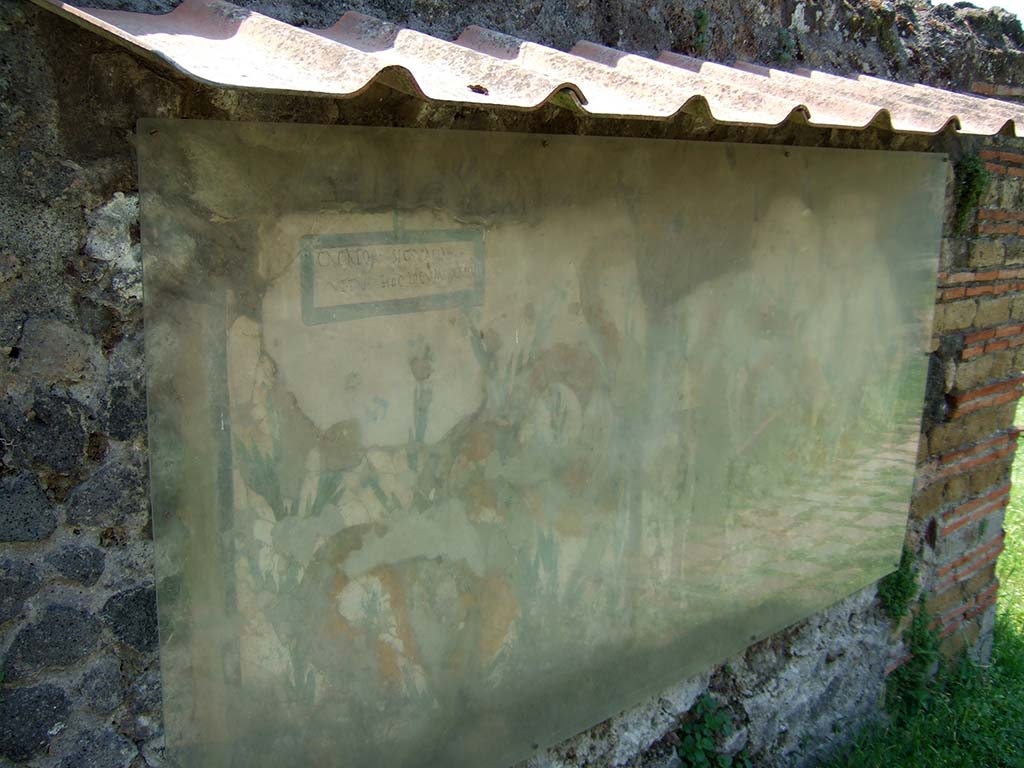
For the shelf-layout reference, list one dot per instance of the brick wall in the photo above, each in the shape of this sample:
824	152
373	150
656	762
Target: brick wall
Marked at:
969	439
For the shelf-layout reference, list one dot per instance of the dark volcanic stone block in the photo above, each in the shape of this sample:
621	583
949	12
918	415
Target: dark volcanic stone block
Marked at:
62	636
27	715
19	580
26	514
131	615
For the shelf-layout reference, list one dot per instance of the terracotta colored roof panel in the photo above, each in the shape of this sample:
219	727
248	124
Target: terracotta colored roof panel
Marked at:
219	43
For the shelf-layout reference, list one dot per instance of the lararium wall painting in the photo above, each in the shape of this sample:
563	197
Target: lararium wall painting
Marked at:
463	442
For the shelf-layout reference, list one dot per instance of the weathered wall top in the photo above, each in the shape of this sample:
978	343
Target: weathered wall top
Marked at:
223	44
940	45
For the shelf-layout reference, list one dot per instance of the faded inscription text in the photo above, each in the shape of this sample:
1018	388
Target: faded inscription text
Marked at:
391	271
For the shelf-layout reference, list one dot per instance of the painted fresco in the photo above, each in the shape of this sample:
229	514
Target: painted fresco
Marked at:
463	442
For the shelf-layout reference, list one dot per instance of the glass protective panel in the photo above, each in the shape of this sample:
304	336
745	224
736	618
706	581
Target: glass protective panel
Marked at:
463	442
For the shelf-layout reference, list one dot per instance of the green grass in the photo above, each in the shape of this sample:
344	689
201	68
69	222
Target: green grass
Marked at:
969	715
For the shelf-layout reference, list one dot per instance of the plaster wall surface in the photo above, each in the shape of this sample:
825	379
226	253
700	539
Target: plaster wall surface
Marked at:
467	440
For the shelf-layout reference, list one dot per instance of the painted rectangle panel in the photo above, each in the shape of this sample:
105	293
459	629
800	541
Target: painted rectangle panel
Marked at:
345	277
463	442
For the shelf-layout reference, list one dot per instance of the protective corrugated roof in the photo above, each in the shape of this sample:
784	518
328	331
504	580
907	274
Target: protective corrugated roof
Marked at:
219	43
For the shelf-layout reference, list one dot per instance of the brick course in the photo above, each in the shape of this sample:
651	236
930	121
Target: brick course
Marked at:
963	479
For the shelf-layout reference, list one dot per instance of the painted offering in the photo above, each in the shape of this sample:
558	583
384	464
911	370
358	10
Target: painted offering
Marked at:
463	442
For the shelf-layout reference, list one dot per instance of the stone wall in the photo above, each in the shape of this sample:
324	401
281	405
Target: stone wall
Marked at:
77	621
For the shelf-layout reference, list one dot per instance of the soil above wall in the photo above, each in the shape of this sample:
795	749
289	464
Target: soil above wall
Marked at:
78	642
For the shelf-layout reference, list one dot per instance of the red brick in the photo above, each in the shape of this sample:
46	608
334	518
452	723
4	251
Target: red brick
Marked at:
970	352
973	504
979	290
984	511
1015	171
972	435
997	169
995	346
1000	214
953	293
1001	228
967	464
941	603
971	607
983	601
971	510
986	154
897	663
985	402
935	493
1009	274
989	389
993	546
988	596
964	277
988	333
948	630
991	443
1007	330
